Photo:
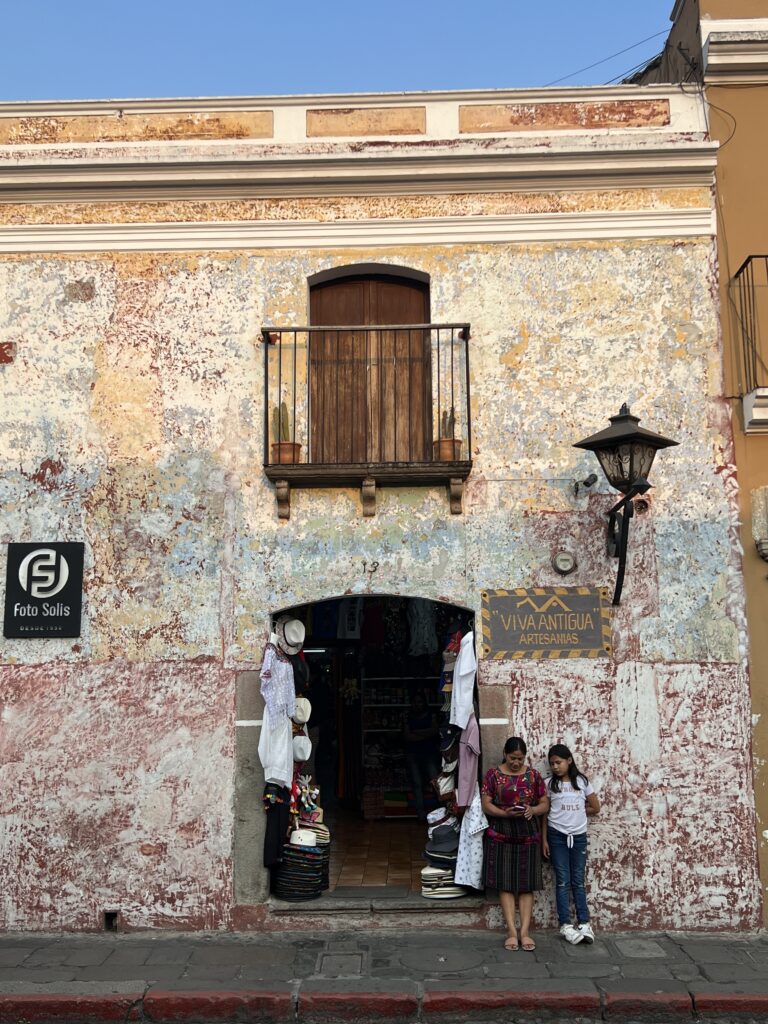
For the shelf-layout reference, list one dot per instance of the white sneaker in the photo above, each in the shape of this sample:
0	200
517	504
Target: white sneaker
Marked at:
586	933
571	934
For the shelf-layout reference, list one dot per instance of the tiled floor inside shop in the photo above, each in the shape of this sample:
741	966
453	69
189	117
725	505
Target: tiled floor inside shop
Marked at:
385	853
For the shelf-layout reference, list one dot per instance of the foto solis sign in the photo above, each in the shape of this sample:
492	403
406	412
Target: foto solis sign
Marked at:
43	590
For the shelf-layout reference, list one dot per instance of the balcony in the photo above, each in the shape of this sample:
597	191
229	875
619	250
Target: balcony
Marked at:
367	406
749	291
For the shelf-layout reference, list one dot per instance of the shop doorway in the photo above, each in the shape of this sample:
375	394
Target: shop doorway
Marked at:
377	687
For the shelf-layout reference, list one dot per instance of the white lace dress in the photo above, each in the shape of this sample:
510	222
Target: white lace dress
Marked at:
276	740
469	861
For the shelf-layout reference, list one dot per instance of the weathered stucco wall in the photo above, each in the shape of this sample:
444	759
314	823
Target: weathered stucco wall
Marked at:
116	794
132	418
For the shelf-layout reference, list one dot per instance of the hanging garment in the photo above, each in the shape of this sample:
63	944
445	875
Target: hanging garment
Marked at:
422	627
277	687
373	631
300	672
276	748
325	620
277	800
350	616
469	755
469	861
463	682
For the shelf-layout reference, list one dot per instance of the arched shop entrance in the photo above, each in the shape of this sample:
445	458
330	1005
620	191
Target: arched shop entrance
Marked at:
379	695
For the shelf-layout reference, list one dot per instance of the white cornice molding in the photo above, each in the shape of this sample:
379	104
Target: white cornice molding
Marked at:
212	237
202	104
675	164
728	25
732	60
735	50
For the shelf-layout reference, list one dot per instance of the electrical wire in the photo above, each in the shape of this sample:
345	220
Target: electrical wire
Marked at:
638	67
606	59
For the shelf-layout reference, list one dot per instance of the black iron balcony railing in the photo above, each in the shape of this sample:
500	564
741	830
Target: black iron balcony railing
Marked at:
347	403
750	296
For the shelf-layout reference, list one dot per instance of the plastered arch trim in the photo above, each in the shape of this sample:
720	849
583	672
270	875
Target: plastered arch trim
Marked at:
292	608
366	270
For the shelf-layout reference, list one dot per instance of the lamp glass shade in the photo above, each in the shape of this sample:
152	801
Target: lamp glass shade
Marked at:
625	450
626	463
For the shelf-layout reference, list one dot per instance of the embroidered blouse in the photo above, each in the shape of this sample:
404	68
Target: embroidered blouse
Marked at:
277	687
508	790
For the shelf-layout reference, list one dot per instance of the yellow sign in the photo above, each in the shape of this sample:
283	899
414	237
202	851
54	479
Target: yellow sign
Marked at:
546	622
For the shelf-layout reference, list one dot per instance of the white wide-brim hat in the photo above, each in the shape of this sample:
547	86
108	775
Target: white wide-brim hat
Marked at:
302	748
290	634
303	711
303	837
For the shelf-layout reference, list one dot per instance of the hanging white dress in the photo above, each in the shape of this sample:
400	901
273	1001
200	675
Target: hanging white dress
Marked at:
463	682
469	860
276	740
276	749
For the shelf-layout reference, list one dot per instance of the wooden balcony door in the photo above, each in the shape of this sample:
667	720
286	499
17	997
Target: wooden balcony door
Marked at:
369	391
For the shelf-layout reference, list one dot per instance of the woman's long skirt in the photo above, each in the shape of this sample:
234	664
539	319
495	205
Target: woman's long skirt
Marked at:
515	865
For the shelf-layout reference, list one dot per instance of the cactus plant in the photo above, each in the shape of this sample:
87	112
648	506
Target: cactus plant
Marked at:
447	424
280	423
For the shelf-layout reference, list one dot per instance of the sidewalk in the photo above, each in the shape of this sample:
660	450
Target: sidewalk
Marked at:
380	976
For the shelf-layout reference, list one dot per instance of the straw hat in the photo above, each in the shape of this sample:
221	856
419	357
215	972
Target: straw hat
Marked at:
303	711
303	837
290	634
302	748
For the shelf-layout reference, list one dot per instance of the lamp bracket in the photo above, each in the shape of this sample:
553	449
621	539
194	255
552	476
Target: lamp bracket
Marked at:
623	509
618	531
590	481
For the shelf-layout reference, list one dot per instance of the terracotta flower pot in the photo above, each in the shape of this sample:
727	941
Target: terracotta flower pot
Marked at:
446	449
286	453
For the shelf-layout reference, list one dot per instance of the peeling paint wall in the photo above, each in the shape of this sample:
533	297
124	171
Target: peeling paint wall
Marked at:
116	794
737	97
133	418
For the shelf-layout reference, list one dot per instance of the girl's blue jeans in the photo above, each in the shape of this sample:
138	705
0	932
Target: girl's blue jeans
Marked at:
569	864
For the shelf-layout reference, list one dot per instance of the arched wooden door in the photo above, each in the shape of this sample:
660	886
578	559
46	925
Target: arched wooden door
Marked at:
370	390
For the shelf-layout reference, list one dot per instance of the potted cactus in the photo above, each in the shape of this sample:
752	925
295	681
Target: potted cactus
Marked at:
284	451
447	448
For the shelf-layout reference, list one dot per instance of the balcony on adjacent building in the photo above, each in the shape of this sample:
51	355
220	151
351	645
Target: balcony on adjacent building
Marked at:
749	292
367	406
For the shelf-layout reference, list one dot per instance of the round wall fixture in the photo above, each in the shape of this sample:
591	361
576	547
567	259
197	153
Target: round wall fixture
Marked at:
564	563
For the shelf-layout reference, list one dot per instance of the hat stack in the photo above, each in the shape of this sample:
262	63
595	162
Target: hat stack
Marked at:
310	824
445	783
438	884
299	876
441	851
450	654
323	842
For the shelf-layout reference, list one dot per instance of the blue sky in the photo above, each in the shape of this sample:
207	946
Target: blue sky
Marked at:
85	49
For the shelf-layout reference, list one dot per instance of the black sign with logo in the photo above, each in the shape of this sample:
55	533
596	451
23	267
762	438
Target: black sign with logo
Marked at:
43	590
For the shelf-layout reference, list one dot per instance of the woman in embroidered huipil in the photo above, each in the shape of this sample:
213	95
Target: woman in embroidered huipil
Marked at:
514	799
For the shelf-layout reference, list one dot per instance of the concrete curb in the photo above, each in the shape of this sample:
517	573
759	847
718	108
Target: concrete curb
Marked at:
711	1005
322	1006
247	1005
483	1004
316	1007
68	1009
647	1005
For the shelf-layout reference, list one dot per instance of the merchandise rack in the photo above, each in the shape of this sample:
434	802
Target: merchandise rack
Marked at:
392	799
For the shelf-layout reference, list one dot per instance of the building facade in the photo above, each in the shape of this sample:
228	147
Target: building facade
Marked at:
722	49
161	263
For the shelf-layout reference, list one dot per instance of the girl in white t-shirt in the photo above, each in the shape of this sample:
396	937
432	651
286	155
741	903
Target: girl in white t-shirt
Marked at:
564	839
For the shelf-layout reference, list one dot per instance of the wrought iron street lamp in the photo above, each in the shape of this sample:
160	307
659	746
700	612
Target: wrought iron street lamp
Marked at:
625	452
